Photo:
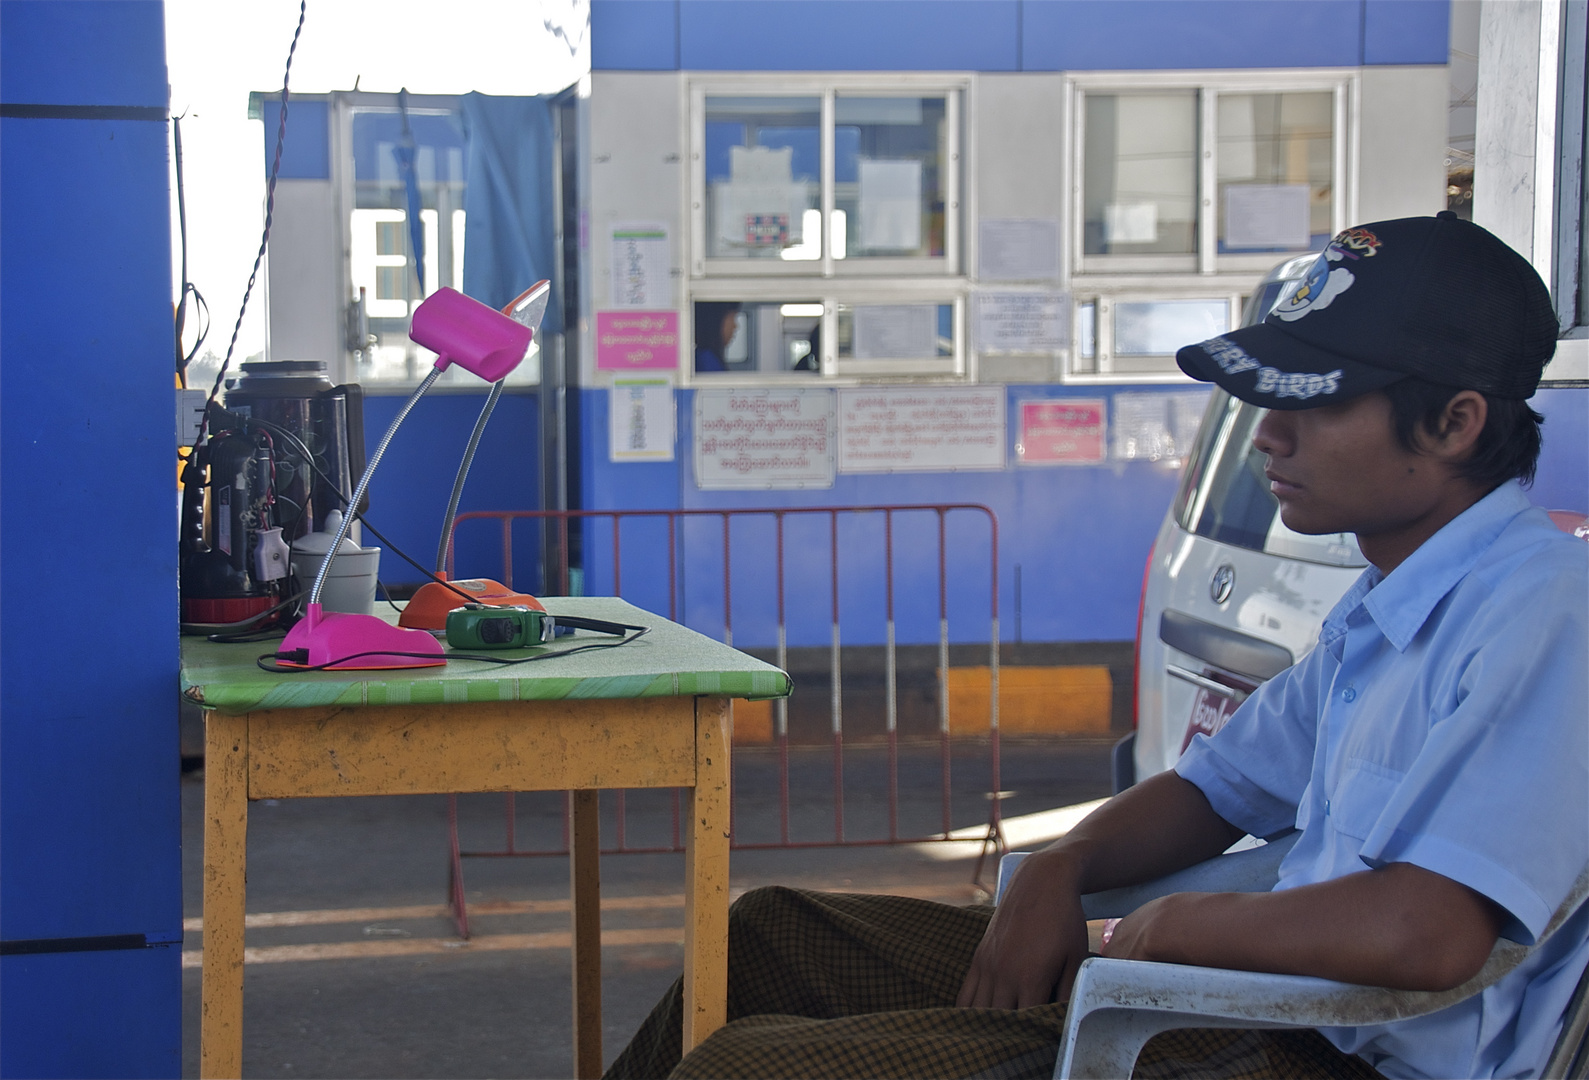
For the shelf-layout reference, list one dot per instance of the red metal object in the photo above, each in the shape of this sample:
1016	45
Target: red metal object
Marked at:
991	841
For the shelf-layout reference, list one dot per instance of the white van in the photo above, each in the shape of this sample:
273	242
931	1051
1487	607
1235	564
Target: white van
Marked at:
1230	597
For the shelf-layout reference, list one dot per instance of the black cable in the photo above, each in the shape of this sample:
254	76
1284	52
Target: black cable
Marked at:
182	221
330	665
270	207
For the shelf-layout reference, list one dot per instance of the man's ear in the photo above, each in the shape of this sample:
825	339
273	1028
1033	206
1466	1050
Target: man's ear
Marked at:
1460	424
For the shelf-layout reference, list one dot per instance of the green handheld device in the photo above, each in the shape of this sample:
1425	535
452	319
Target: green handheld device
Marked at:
487	626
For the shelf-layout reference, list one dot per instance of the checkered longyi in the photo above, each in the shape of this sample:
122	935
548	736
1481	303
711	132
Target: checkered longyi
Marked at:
844	985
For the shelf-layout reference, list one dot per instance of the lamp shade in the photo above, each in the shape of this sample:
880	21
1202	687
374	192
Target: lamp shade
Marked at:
463	331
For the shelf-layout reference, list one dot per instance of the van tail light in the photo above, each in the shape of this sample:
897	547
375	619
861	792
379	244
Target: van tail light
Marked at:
1136	649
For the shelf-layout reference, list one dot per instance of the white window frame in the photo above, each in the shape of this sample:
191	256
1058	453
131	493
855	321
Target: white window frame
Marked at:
1102	368
832	369
1341	82
1570	168
828	281
342	106
827	88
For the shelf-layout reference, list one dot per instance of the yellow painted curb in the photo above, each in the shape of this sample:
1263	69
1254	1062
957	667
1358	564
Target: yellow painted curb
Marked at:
1032	700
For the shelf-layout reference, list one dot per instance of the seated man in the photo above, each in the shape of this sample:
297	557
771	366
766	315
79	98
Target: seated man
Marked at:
1433	749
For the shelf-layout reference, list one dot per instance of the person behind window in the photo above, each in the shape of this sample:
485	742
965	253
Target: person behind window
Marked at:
716	322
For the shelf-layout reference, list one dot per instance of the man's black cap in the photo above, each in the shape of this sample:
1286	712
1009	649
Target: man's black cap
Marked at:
1434	297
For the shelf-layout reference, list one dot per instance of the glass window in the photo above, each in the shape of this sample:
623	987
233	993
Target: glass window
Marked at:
1274	160
895	332
1139	185
1159	327
735	338
889	163
395	265
763	163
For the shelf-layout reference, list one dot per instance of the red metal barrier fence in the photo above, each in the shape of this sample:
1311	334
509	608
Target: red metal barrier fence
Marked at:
917	539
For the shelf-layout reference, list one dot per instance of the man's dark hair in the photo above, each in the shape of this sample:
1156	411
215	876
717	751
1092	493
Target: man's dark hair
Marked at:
1507	448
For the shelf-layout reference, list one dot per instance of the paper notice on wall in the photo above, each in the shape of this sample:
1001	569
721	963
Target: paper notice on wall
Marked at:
1022	322
922	430
896	332
1272	216
764	439
1157	426
1131	223
1062	431
890	205
1018	249
640	418
631	340
640	266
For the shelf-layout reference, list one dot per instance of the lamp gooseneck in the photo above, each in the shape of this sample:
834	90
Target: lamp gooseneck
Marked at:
364	483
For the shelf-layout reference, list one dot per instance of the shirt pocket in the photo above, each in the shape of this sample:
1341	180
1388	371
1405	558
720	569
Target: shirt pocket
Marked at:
1360	796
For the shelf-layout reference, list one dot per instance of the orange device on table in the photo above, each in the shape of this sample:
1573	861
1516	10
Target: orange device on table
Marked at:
428	609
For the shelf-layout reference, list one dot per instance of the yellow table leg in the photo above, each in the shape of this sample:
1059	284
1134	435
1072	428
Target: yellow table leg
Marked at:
225	855
706	877
584	851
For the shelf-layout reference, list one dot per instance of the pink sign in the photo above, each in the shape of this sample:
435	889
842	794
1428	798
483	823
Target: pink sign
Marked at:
637	340
1061	430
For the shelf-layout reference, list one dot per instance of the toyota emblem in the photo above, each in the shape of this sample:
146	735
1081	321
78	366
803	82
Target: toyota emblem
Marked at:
1223	582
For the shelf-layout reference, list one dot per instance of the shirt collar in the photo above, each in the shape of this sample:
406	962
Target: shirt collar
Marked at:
1400	602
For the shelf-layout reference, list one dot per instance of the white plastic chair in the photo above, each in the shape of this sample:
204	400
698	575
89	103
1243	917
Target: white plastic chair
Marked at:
1118	1005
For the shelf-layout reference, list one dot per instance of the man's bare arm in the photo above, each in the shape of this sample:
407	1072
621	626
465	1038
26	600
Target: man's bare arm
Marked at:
1400	926
1038	937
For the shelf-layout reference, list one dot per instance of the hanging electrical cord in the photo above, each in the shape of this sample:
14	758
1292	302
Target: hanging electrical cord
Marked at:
200	308
264	240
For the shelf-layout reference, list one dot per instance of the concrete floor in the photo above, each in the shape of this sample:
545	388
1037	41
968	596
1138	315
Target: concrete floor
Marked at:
356	971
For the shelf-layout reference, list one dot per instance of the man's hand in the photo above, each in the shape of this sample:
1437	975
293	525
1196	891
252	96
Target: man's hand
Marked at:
1038	937
1036	941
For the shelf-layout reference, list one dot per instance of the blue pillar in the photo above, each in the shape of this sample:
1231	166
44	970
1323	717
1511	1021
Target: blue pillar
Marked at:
90	872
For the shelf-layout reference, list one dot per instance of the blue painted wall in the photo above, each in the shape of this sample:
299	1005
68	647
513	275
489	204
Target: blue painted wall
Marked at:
408	494
89	816
1012	35
1080	535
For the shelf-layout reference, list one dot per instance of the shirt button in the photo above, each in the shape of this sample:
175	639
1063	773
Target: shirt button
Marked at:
1326	807
1349	694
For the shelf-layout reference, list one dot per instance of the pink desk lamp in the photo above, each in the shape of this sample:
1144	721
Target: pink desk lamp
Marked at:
481	340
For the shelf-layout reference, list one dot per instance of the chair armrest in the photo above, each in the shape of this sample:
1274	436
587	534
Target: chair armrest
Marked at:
1118	1005
1254	870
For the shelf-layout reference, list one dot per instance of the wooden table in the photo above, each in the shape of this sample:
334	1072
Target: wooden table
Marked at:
651	713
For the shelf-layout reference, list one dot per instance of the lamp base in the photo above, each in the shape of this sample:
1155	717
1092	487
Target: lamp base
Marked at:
343	642
428	608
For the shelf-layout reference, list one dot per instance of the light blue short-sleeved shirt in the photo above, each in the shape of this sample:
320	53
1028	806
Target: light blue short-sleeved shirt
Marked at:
1443	721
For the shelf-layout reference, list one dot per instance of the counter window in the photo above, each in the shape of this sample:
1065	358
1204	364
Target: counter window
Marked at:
1215	178
799	176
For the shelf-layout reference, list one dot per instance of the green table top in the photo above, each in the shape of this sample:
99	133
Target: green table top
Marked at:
670	661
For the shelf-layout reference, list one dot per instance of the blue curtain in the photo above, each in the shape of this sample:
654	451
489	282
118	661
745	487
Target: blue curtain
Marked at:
509	237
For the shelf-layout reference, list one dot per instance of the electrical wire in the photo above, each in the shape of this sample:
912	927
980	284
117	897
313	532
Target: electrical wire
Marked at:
200	307
270	207
502	661
309	458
